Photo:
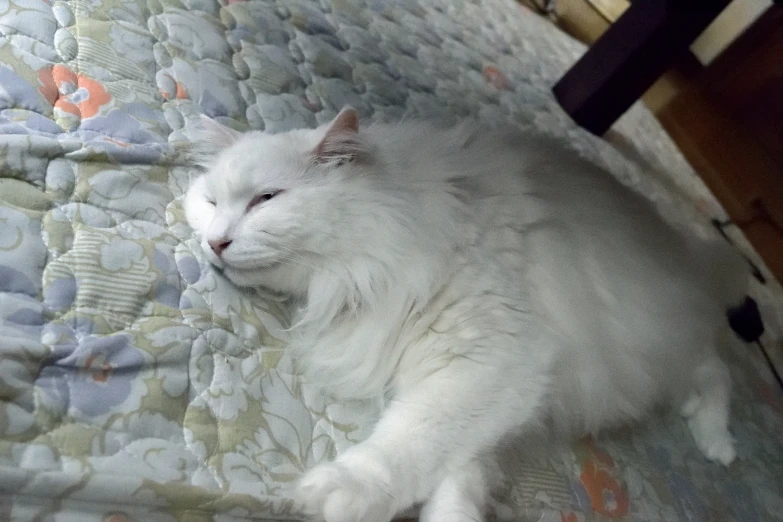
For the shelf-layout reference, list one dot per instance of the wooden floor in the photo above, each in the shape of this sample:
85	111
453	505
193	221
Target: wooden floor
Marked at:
721	121
728	121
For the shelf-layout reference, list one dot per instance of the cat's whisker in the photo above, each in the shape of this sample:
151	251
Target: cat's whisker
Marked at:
313	252
300	261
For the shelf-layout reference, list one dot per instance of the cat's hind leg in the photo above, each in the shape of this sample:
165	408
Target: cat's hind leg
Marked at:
707	410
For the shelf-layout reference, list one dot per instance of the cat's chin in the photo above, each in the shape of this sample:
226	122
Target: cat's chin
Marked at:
248	276
276	276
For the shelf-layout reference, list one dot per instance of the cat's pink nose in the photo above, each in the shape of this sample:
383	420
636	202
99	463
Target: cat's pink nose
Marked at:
219	245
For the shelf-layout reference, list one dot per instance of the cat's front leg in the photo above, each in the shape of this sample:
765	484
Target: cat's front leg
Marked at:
426	434
349	489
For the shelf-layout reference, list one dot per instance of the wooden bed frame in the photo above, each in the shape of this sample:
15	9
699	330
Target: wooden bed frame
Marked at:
630	56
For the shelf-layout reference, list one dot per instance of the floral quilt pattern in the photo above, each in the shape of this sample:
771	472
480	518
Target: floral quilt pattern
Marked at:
136	384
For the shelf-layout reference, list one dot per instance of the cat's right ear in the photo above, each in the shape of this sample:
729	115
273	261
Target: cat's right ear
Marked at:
340	142
208	137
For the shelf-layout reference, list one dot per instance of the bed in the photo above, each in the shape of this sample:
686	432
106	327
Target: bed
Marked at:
137	384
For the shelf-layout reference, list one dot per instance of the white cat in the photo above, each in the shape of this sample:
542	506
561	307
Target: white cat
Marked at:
490	282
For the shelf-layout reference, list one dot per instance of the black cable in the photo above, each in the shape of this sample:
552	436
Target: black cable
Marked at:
746	322
770	363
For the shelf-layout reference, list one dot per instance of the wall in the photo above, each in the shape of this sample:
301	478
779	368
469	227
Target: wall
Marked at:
732	21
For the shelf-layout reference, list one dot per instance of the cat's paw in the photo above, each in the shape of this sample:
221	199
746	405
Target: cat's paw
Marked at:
333	493
720	449
716	444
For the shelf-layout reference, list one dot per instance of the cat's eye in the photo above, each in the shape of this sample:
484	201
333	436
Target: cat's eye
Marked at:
211	202
261	198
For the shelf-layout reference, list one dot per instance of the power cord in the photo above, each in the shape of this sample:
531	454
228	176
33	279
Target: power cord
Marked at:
746	322
745	319
770	363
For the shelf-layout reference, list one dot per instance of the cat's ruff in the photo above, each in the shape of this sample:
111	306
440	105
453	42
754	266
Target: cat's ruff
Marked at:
487	280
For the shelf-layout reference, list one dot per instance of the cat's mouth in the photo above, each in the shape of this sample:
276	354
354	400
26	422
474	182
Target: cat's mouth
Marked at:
264	265
244	268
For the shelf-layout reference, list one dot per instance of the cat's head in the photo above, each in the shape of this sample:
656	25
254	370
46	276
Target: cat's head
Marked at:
273	208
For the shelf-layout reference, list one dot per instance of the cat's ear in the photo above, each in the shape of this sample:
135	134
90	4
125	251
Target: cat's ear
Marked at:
340	142
208	137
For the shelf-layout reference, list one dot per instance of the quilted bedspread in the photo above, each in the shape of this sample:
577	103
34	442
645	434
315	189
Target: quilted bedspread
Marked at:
136	384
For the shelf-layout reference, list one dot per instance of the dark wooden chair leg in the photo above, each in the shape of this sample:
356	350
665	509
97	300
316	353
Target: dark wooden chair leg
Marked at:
629	57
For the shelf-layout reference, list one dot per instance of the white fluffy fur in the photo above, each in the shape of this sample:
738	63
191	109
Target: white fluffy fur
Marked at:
489	282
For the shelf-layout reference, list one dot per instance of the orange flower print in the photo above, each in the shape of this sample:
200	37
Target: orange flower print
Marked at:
171	89
48	88
182	93
98	368
72	93
497	78
606	495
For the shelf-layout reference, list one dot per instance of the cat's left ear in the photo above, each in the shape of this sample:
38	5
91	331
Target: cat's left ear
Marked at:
208	137
340	143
